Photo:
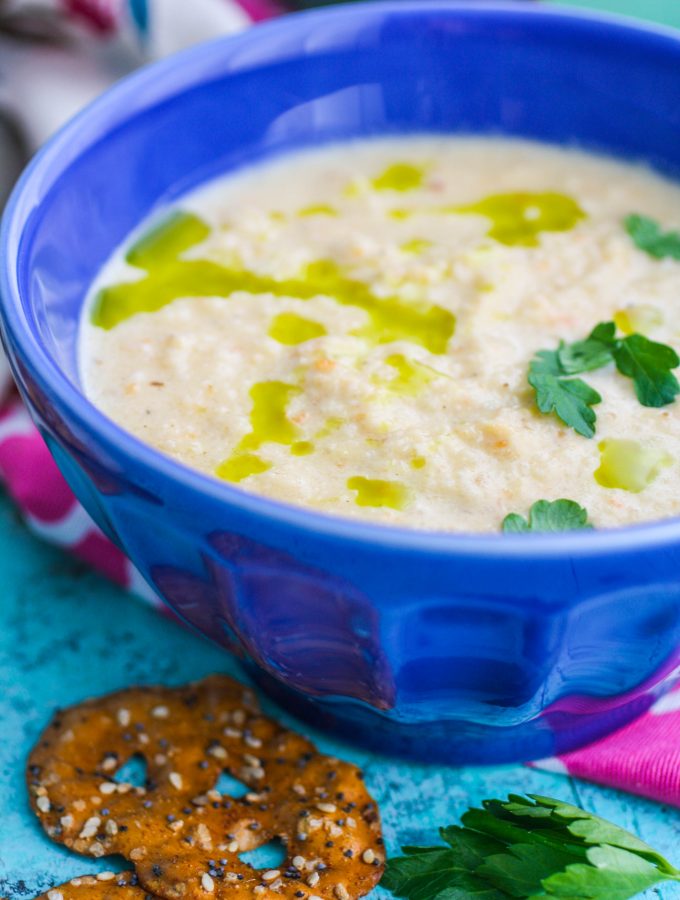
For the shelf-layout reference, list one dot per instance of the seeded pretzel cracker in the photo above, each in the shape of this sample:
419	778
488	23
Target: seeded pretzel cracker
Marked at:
104	886
185	837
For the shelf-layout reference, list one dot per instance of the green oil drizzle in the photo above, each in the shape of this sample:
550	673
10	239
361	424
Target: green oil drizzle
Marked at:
291	329
416	245
628	465
517	219
269	423
169	277
240	466
302	448
638	319
411	377
400	177
391	318
330	425
401	214
376	492
167	241
318	209
418	462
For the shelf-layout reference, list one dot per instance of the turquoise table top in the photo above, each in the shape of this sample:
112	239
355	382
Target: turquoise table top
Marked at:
65	634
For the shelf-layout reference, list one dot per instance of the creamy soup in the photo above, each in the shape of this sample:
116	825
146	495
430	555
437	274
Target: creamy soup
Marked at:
355	329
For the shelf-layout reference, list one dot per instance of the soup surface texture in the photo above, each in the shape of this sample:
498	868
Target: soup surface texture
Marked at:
353	328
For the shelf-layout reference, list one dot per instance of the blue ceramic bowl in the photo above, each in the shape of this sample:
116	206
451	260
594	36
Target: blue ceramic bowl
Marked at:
449	647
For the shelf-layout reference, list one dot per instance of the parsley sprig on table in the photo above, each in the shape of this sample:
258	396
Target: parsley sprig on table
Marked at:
647	363
648	236
528	849
548	515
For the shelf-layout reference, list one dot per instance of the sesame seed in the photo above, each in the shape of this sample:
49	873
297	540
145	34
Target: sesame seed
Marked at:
233	847
43	804
160	712
106	876
175	780
253	742
207	883
368	856
341	892
203	837
90	827
218	752
123	716
313	879
66	821
160	759
238	717
251	760
55	895
97	849
109	762
270	875
176	826
111	828
327	807
299	789
108	787
232	733
137	853
299	862
315	897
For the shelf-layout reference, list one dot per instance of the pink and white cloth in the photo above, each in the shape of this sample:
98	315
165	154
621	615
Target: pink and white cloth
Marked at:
642	758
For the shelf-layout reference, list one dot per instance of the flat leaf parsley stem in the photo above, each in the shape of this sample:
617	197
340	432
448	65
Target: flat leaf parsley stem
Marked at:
529	848
648	364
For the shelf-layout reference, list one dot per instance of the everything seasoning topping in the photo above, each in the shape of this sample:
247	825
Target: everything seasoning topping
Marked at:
103	886
182	834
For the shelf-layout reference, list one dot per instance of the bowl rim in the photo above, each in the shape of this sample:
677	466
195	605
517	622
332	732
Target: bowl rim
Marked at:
119	103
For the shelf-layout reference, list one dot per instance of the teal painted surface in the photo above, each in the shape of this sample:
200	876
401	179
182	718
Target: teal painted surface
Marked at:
666	12
65	634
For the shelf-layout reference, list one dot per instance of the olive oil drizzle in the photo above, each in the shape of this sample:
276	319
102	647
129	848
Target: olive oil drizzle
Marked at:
170	276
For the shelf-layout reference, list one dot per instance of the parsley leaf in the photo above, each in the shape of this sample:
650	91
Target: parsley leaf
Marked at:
592	353
648	236
546	515
649	365
570	399
529	848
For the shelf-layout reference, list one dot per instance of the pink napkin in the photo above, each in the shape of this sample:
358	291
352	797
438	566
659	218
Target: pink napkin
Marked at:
642	758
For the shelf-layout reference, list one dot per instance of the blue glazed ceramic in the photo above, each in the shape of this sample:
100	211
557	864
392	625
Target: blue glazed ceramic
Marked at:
450	647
